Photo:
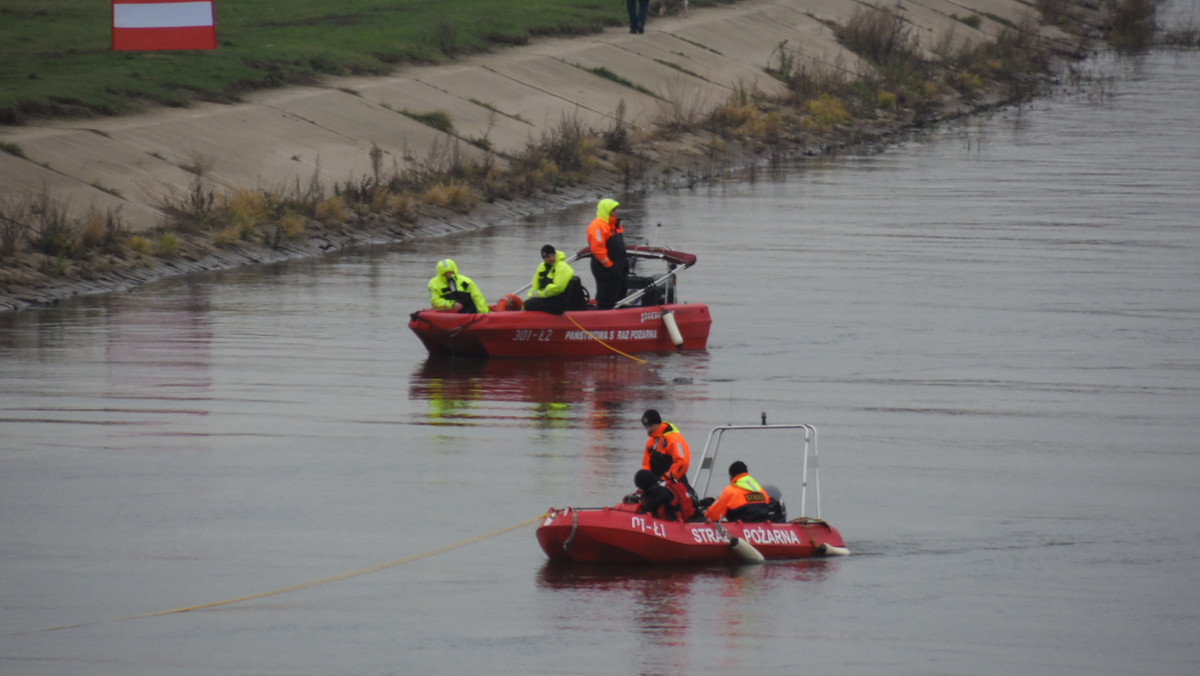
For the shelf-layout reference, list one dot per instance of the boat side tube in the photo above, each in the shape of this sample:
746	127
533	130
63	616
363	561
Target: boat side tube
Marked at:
827	549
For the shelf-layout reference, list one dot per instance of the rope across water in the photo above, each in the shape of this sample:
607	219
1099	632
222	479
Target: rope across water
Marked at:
303	585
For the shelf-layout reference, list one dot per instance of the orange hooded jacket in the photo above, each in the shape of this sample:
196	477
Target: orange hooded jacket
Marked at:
601	229
667	440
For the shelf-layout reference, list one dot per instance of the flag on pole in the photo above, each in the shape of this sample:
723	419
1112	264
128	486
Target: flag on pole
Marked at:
142	25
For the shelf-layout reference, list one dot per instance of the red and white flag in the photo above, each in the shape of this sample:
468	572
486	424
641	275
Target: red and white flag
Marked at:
141	25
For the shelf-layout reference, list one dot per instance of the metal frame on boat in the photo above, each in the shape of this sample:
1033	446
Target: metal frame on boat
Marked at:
618	534
648	319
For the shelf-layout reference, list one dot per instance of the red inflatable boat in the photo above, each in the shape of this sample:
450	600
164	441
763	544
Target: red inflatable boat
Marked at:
648	319
618	535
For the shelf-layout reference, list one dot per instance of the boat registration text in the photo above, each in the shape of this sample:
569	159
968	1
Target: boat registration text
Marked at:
623	334
756	536
647	526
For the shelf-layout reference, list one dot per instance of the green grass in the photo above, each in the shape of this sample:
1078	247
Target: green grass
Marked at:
12	149
56	58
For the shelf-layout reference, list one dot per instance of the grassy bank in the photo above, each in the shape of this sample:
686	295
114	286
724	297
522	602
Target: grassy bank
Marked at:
55	57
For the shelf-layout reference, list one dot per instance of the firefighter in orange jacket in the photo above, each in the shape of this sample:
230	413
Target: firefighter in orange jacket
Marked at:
667	454
606	240
742	500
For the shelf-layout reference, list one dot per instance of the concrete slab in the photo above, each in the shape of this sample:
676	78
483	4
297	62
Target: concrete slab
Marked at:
25	180
676	93
680	54
359	122
471	120
771	27
571	91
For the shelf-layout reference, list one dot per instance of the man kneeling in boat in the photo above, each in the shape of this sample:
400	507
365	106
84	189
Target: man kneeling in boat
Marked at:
742	500
666	500
452	292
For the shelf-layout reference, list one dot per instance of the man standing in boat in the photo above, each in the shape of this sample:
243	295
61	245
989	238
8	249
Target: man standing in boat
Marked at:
452	292
742	500
550	281
667	454
606	240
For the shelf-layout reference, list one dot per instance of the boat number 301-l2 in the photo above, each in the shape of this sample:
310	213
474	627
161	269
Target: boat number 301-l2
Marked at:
526	335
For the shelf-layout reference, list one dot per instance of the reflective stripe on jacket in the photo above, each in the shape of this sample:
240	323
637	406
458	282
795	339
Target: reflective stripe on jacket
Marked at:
668	441
742	490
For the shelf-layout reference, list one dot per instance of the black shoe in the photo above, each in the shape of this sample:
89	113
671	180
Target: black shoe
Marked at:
633	29
641	29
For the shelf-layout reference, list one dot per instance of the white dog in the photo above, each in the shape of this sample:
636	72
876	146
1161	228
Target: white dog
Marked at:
681	6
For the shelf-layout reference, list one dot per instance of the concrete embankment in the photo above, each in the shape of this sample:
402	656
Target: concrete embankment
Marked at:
133	165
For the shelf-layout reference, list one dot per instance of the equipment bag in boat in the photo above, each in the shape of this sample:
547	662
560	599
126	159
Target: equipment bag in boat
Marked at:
577	294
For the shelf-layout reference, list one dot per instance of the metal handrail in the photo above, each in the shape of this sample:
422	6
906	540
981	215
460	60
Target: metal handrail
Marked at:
809	447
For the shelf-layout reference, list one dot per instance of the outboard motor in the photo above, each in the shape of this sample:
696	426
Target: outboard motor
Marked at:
776	510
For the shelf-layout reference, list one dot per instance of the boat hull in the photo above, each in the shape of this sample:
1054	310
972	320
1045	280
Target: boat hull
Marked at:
619	535
572	334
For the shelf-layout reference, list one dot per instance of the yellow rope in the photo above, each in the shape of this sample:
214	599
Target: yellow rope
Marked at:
304	585
593	337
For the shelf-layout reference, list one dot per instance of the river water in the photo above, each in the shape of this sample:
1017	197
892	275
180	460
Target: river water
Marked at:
994	328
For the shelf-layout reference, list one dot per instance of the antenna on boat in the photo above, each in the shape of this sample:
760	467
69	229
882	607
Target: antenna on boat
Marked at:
657	229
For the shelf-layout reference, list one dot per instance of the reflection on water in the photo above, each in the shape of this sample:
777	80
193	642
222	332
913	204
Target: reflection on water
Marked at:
622	578
553	392
671	608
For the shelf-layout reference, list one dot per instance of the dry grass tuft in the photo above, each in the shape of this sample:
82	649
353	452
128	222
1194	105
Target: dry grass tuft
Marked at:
332	211
824	112
452	195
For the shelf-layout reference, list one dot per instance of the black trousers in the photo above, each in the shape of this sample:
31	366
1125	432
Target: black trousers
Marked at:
468	303
555	305
610	283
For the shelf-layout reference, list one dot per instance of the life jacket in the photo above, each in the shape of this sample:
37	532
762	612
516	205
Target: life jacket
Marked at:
742	500
687	508
752	504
